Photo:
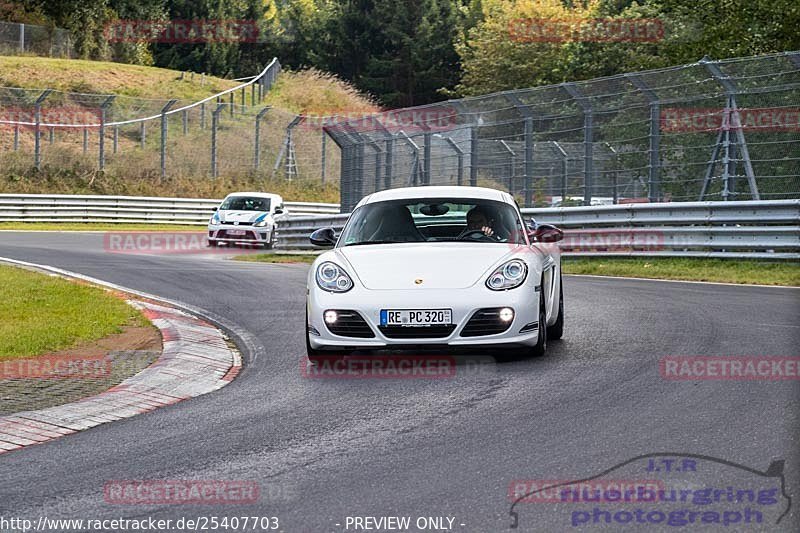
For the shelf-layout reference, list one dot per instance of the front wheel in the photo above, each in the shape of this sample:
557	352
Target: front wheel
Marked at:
556	331
212	243
541	341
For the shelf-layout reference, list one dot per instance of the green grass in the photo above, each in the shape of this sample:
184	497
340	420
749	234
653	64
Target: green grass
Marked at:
42	313
690	269
276	258
95	226
104	77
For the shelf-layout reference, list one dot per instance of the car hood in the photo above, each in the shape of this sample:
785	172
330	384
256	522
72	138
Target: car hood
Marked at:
242	217
438	265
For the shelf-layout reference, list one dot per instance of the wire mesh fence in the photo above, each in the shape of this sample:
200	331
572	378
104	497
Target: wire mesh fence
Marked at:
37	40
712	130
230	133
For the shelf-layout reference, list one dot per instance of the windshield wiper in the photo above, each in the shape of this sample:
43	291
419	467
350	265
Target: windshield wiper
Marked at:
371	242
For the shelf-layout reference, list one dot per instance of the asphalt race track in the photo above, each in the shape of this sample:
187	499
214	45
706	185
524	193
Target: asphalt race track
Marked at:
323	450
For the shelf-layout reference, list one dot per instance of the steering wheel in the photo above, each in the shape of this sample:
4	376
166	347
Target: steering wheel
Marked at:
477	234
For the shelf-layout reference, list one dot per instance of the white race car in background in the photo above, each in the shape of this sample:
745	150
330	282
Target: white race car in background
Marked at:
245	218
448	267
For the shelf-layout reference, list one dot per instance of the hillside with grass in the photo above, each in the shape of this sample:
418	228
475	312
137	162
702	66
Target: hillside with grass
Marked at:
135	168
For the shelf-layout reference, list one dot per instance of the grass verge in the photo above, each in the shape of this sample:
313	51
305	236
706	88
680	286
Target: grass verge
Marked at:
276	258
689	269
94	226
42	313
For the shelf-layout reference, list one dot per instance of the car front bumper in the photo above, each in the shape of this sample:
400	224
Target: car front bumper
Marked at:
252	235
464	303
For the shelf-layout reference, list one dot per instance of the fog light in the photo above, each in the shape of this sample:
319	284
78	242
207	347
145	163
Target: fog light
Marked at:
506	314
330	317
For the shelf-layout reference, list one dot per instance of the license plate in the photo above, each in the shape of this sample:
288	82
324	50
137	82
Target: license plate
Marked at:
236	232
416	317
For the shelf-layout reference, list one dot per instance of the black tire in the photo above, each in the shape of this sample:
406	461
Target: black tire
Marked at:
556	331
212	243
541	343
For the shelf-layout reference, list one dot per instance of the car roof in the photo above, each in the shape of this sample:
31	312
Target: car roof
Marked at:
438	191
256	194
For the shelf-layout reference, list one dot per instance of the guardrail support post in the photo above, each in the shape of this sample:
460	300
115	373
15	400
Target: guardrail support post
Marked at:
214	124
185	121
257	154
164	137
116	139
16	137
37	154
85	140
101	159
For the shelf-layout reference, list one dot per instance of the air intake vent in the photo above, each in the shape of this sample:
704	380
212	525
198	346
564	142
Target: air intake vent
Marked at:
417	332
485	322
350	324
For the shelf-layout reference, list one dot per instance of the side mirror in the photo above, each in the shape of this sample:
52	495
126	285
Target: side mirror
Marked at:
323	237
546	233
278	210
214	208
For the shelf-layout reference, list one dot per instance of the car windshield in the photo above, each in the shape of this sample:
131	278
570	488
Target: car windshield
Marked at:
245	203
434	220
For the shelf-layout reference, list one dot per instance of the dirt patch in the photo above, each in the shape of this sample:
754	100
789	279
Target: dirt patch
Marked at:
84	370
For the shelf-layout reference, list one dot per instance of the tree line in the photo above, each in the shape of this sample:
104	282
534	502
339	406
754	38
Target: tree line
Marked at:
412	52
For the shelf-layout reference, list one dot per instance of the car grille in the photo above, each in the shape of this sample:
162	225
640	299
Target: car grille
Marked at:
417	332
350	324
249	235
235	224
485	322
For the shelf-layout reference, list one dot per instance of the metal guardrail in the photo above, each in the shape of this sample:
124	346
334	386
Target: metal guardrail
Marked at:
751	229
131	209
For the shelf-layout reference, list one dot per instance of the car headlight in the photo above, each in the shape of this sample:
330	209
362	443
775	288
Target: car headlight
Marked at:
261	224
214	219
508	276
331	277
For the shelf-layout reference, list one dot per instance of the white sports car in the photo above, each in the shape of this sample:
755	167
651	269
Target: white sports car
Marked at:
435	267
245	218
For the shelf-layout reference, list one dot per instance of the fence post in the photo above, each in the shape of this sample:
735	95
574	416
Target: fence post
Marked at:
37	153
52	138
164	137
563	154
529	162
473	157
460	155
22	38
116	139
387	177
142	133
426	157
654	156
214	124
101	158
230	95
16	137
513	163
588	140
185	121
203	116
85	140
324	153
257	154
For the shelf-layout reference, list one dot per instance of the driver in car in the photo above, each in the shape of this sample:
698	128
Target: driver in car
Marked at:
478	219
